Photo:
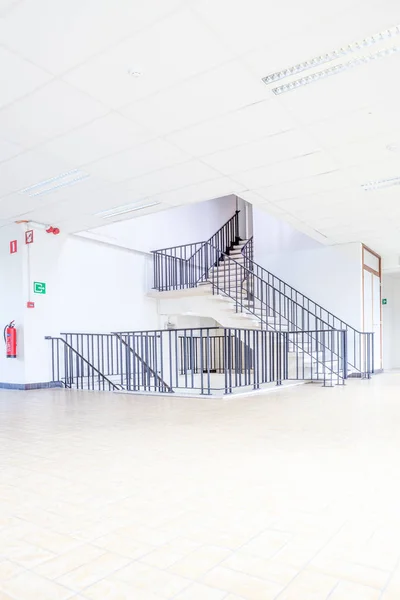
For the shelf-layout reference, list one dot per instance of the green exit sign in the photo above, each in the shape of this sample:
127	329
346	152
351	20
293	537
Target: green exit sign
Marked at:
384	300
39	287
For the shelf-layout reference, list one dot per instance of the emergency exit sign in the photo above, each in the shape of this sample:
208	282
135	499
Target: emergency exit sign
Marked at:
39	287
384	301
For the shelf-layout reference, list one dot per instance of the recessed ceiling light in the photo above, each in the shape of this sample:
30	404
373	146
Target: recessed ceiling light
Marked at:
334	55
122	210
381	183
393	147
355	62
49	185
134	73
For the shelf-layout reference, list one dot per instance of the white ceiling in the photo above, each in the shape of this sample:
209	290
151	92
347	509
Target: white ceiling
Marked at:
199	123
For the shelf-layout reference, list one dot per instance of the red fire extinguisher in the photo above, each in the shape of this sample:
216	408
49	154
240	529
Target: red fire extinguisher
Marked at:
10	338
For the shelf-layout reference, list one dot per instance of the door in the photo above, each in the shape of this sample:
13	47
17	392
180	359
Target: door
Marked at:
372	301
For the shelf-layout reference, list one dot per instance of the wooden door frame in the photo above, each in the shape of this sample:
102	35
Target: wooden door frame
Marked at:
378	274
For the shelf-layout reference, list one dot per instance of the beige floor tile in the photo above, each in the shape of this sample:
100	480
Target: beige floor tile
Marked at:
123	544
56	567
271	570
8	569
93	571
389	595
180	484
353	591
53	542
251	588
197	591
167	555
341	569
267	544
26	555
112	589
29	586
197	563
145	577
309	586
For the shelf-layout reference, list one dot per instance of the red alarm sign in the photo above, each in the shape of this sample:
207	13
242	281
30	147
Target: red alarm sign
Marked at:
13	246
29	236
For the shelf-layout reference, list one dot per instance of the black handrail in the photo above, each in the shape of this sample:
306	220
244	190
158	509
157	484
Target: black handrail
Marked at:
161	383
68	366
337	323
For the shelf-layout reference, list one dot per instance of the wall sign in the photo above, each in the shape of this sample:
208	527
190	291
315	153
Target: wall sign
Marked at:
29	236
13	247
30	305
39	287
384	301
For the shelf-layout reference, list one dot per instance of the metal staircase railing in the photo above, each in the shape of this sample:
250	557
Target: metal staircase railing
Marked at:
73	370
360	343
256	296
127	363
182	266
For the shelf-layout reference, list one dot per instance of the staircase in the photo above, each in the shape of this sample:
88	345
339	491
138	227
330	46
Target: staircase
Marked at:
269	332
223	282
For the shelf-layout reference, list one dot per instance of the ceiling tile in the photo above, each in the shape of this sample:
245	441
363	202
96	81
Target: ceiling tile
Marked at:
21	77
154	155
246	25
355	126
162	63
8	150
216	92
303	187
371	150
291	170
100	138
323	201
330	32
202	191
376	171
172	178
50	111
28	169
250	123
331	97
59	35
283	146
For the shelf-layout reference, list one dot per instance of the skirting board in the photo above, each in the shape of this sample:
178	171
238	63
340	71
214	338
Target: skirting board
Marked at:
30	386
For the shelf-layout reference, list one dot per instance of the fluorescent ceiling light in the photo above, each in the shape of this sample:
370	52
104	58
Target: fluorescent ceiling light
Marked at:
339	68
381	183
122	210
49	185
334	55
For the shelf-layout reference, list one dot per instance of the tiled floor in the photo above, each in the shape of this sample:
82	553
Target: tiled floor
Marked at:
294	495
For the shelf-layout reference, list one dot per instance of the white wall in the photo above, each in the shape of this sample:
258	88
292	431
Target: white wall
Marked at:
11	301
174	227
272	235
329	275
90	288
391	321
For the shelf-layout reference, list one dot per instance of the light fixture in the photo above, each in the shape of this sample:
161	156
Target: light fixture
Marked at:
355	62
134	73
334	55
122	210
393	147
49	185
381	183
